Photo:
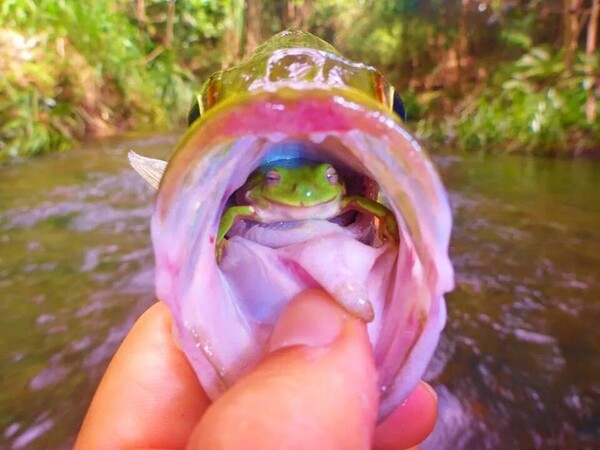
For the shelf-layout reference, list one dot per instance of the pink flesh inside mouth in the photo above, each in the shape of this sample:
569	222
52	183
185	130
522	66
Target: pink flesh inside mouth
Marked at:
224	312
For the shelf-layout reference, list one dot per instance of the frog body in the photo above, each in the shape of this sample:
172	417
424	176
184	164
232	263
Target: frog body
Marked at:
315	190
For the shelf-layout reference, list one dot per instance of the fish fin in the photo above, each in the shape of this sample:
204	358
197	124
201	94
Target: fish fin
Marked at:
151	170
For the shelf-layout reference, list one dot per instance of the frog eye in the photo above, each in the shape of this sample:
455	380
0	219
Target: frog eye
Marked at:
272	178
332	175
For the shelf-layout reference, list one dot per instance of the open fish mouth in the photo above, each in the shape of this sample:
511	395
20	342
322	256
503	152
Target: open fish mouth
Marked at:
224	311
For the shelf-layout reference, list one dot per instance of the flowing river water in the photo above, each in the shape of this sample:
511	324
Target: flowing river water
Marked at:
518	366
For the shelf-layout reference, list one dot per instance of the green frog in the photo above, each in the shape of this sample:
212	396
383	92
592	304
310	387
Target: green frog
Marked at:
311	190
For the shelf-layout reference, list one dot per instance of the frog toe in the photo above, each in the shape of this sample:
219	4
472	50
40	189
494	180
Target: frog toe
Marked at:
388	230
220	249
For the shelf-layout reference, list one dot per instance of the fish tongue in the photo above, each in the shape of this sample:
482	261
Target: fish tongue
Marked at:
267	278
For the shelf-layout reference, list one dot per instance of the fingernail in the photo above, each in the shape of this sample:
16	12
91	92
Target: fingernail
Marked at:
311	319
430	390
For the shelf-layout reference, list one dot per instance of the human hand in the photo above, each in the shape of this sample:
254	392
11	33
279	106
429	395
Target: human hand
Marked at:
315	389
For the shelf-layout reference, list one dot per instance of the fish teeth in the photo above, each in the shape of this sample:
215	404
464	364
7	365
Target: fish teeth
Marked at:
317	138
276	138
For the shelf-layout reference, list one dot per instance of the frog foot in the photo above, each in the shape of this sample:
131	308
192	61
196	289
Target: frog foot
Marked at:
220	248
388	229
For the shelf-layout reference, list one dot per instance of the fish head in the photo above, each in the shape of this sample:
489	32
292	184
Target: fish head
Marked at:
224	309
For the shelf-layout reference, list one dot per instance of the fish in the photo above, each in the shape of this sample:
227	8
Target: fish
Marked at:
298	98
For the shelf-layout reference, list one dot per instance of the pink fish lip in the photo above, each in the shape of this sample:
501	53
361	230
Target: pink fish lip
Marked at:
224	314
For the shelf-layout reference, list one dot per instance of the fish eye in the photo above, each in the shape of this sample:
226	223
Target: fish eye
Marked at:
332	175
272	178
398	106
194	113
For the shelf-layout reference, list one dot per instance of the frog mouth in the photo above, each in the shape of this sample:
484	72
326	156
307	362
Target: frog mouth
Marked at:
297	212
224	313
301	204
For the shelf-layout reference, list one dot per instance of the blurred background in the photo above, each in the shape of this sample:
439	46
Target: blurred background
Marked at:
504	93
500	75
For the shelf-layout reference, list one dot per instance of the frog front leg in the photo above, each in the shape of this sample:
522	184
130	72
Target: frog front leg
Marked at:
388	228
228	219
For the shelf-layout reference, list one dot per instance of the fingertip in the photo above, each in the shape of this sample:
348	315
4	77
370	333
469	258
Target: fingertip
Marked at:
410	423
309	392
311	319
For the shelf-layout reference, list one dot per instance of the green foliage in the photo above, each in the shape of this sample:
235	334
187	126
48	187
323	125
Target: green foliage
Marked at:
530	105
492	70
79	68
389	34
516	38
32	118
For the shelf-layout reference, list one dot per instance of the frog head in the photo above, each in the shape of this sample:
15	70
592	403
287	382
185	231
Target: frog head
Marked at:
303	186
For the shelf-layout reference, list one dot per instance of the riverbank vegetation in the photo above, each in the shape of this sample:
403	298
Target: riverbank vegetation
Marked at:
492	75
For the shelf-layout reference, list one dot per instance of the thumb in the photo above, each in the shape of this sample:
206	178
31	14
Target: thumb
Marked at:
316	388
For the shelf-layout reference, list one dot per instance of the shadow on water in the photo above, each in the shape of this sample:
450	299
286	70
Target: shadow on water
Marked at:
518	365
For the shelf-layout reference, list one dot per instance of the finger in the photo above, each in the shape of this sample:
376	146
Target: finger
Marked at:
149	396
410	423
317	388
